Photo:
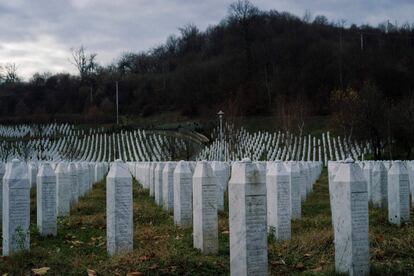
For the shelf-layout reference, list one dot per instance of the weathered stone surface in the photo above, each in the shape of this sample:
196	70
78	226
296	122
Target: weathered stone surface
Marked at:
367	170
350	197
73	180
295	197
278	200
2	172
205	219
183	194
16	208
32	173
379	178
168	186
152	177
303	181
158	185
248	219
398	194
46	200
410	168
221	171
119	211
64	189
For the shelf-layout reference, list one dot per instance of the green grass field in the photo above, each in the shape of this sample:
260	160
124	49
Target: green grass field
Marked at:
161	248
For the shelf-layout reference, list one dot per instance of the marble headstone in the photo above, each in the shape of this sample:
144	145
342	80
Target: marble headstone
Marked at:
16	208
46	200
183	194
350	197
248	219
205	219
119	209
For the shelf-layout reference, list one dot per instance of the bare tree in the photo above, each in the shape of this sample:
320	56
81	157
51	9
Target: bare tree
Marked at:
84	62
243	11
9	74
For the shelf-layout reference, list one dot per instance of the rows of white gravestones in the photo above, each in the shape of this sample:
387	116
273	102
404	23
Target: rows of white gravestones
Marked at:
352	185
41	130
137	145
58	186
263	198
235	144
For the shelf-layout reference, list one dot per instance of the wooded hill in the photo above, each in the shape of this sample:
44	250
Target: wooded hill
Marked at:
253	62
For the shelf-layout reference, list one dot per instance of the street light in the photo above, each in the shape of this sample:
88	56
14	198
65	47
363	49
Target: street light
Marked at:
117	104
220	114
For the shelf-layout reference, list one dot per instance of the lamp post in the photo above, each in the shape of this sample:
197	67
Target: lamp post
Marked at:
117	107
220	114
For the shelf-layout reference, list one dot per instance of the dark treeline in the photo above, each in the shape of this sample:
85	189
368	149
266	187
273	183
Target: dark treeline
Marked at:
252	63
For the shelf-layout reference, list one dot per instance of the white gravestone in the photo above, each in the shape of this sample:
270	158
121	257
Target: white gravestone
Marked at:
278	200
32	167
152	178
221	171
295	200
2	172
16	208
379	178
248	220
350	197
398	194
183	194
119	211
73	180
205	219
168	186
46	200
368	177
64	189
302	179
410	168
158	183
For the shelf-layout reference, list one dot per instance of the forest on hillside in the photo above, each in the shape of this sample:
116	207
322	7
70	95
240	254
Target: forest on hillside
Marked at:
253	62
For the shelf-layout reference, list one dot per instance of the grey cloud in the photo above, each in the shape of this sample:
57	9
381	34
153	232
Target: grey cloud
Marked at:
39	34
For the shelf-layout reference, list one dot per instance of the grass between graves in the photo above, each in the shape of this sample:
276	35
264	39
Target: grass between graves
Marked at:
162	248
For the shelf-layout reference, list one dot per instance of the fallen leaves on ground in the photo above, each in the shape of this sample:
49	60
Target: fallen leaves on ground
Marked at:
91	272
40	271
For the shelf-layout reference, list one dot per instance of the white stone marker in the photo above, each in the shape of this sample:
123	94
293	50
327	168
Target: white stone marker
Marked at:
2	172
119	210
379	178
410	168
221	171
350	197
152	178
278	200
398	194
205	219
367	170
158	183
168	186
302	179
16	208
46	200
183	194
73	180
63	189
32	171
248	220
295	196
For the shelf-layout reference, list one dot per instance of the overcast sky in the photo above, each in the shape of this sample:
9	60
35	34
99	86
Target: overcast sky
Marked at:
37	34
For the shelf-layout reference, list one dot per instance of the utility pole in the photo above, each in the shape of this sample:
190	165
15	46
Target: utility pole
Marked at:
117	106
362	42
